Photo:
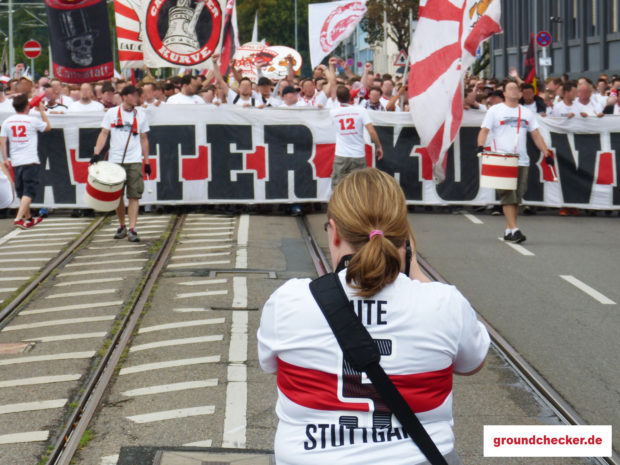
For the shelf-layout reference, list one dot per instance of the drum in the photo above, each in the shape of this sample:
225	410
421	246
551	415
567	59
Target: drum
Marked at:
104	187
499	170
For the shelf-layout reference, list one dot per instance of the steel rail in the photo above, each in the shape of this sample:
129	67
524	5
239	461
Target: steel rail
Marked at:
12	306
68	441
526	371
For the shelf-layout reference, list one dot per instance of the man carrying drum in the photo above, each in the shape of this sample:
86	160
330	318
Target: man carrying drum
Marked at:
508	124
129	145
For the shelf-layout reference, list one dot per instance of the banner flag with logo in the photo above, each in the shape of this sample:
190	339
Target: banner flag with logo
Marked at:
332	23
443	48
181	33
80	40
530	65
128	33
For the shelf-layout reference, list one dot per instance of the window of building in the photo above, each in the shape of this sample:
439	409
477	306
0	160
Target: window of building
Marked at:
591	18
573	25
611	15
554	15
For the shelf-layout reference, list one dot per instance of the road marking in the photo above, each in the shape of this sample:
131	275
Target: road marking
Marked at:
30	252
169	364
182	324
15	278
66	337
30	236
193	264
89	281
176	342
206	247
109	459
206	443
108	270
200	294
60	227
111	249
203	282
141	227
172	414
39	380
196	255
20	260
210	228
147	391
76	294
21	269
31	406
47	358
473	218
190	310
9	236
107	262
519	248
29	436
70	321
196	241
85	306
240	292
596	295
208	234
43	244
8	289
104	255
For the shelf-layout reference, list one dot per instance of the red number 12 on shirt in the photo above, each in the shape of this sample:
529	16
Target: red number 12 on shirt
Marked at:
19	131
347	123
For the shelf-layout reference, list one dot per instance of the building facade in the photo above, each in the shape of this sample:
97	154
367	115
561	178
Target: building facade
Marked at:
585	36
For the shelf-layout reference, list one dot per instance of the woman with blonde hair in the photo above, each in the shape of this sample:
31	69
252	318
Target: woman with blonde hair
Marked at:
328	412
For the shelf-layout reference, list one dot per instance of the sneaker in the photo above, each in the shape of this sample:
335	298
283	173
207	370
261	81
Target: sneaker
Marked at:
508	237
19	224
496	210
132	236
121	232
32	222
43	213
517	237
563	212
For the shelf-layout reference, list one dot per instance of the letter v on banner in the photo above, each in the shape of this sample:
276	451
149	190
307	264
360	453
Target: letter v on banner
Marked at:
438	67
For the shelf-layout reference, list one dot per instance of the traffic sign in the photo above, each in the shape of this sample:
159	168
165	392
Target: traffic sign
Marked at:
401	59
543	38
32	49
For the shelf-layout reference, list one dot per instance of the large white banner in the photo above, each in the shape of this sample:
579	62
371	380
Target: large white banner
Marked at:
331	23
207	154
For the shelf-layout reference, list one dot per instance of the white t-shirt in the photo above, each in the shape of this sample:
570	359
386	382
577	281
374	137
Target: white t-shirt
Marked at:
384	101
530	106
617	109
592	108
349	122
561	109
7	106
79	106
427	331
183	99
233	98
21	132
119	135
299	103
508	129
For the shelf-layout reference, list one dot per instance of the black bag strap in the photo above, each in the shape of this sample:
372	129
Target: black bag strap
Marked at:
361	351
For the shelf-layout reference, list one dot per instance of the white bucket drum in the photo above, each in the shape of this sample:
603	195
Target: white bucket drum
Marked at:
499	170
104	188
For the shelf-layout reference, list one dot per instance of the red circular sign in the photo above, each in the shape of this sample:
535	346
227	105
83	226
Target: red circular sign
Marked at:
543	38
32	49
203	51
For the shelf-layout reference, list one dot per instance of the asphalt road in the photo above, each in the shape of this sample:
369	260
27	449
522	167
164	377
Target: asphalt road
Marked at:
569	336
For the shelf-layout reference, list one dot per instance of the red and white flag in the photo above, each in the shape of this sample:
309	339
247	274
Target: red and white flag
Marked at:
129	40
443	48
331	23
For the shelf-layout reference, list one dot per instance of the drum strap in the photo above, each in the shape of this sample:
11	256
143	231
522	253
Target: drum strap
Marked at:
518	129
131	133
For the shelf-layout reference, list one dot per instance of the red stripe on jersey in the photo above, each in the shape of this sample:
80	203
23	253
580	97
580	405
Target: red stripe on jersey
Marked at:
319	390
126	11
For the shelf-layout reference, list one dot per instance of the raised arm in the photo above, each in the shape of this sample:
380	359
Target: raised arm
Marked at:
218	75
331	78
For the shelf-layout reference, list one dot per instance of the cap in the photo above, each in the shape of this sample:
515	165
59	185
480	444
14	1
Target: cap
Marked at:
288	90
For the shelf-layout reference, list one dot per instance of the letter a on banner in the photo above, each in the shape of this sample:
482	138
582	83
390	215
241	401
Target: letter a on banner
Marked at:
80	40
181	33
331	23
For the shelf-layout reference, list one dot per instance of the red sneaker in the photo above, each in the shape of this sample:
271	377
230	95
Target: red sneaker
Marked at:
20	224
32	222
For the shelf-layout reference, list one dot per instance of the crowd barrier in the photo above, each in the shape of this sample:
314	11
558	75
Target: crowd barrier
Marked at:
227	155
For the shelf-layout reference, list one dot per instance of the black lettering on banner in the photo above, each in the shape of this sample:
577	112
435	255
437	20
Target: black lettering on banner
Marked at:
577	179
168	139
224	162
340	435
398	158
87	138
277	139
469	184
352	386
53	152
312	444
535	188
323	427
614	140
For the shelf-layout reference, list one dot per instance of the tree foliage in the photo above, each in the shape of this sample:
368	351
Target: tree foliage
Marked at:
396	12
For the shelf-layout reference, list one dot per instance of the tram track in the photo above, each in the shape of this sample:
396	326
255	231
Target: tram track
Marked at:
545	392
